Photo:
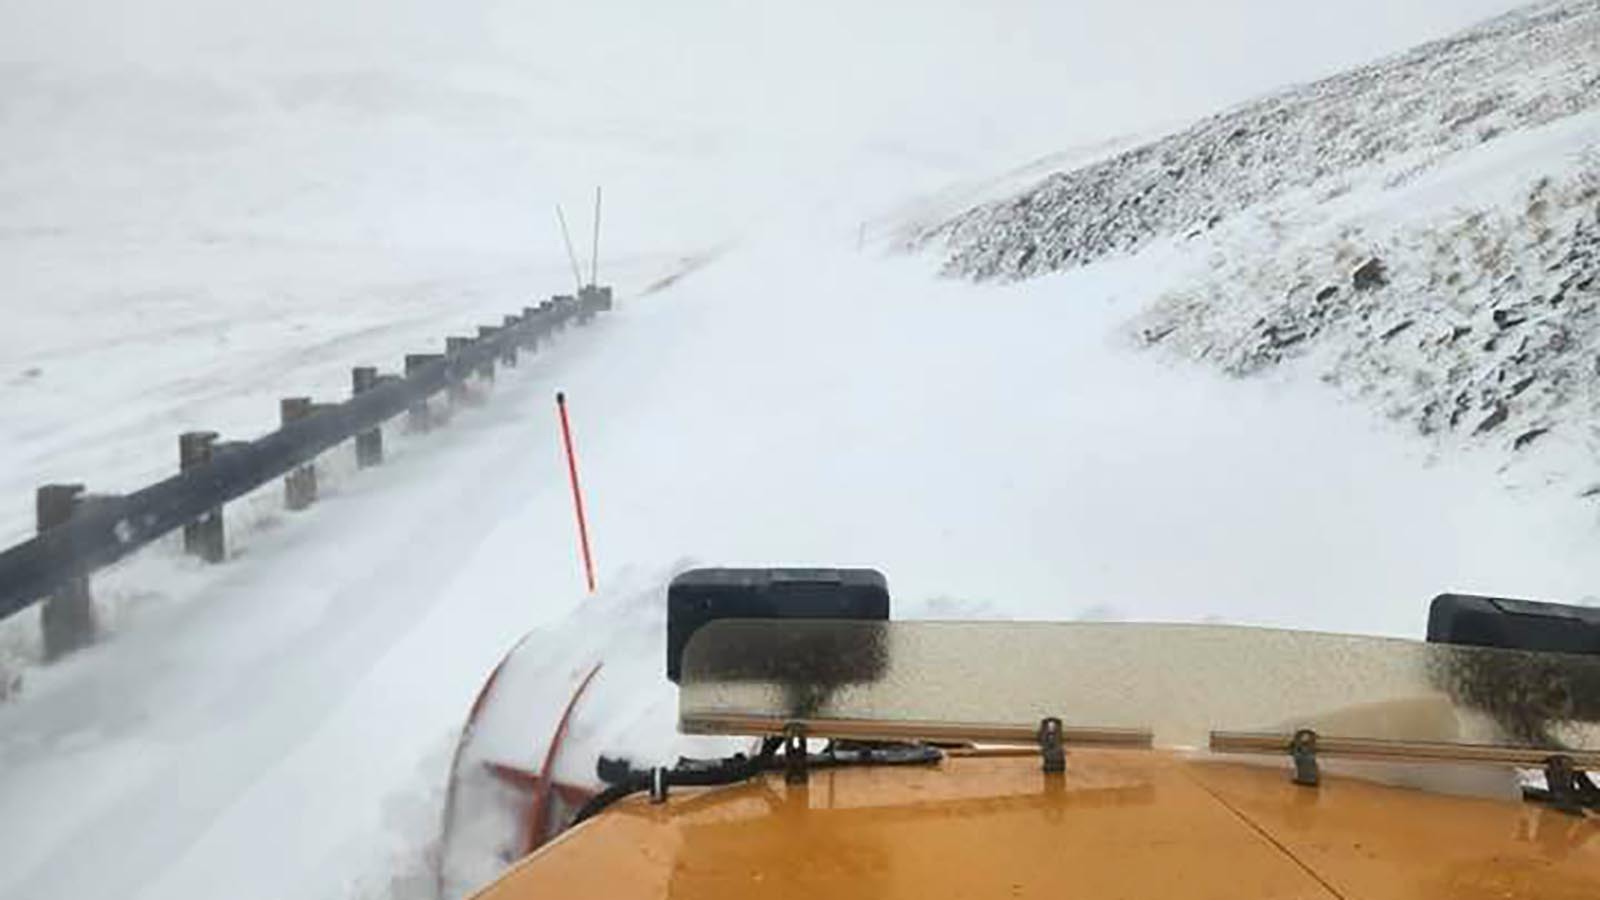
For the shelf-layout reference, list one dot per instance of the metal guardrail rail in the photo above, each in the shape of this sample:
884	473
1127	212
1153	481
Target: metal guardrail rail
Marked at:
100	530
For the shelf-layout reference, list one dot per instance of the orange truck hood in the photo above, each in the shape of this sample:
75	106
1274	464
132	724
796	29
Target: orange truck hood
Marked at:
1119	824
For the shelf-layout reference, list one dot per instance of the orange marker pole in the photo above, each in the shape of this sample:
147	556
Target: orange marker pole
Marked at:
577	491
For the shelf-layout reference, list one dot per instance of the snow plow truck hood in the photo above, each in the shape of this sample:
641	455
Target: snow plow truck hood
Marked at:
1116	824
931	759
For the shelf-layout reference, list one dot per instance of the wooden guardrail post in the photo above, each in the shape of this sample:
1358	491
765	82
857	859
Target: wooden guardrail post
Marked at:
369	444
486	368
508	353
67	620
457	391
591	299
417	418
204	537
530	327
299	486
542	326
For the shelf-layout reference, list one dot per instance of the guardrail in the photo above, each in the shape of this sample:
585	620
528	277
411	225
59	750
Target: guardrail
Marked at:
79	533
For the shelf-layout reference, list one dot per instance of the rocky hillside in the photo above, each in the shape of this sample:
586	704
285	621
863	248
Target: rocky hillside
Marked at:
1396	117
1479	324
1425	232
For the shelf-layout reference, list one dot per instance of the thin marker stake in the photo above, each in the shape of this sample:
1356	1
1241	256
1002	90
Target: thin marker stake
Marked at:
577	274
594	256
577	492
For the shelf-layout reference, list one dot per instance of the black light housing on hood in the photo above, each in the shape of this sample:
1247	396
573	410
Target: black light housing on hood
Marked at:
1512	624
700	596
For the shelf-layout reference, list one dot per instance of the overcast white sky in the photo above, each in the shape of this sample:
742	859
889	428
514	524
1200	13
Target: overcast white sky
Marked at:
1029	74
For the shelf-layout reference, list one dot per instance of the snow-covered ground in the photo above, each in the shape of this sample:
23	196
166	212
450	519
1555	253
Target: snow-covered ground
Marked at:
207	207
290	716
314	189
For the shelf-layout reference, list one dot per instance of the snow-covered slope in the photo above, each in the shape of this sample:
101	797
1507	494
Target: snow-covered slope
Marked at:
1465	304
1388	121
1423	228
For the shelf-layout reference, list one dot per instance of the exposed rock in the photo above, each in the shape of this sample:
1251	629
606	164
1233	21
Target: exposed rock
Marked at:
1493	420
1397	329
1370	275
1528	437
1509	318
1327	293
1284	338
1153	336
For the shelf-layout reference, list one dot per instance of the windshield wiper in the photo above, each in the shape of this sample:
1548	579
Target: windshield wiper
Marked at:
624	780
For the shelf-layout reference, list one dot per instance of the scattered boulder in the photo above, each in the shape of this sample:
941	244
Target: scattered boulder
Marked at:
1528	437
1327	293
1370	275
1154	335
1396	329
1492	421
1279	337
1509	318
